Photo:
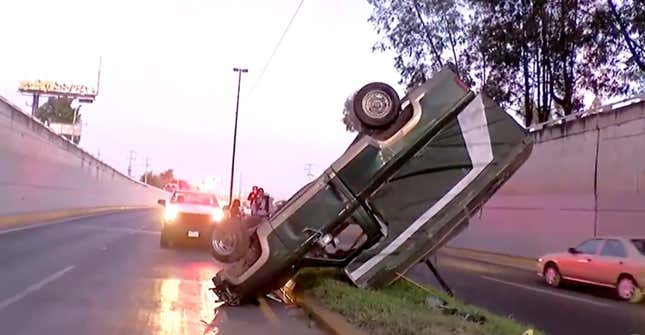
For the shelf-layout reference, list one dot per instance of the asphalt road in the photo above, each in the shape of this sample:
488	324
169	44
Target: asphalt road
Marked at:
574	309
107	275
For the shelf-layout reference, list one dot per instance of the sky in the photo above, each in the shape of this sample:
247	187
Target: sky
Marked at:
168	89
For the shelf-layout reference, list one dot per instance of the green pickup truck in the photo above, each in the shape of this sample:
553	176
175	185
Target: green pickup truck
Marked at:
421	166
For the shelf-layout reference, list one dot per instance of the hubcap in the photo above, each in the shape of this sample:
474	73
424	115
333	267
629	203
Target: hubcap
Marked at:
626	289
551	276
224	246
376	104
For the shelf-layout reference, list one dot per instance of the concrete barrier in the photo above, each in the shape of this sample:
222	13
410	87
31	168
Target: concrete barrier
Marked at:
585	177
41	172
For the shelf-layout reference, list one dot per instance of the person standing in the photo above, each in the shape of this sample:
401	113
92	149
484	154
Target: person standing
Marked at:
262	204
252	196
234	210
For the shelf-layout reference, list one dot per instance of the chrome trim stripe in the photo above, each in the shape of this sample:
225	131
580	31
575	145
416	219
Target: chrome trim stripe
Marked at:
415	100
474	128
412	98
588	282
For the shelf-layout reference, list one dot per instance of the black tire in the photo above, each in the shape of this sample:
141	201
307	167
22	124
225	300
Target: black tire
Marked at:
376	105
552	270
230	241
635	296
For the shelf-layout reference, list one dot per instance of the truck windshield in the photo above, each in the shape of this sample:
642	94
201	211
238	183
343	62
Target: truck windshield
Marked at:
194	198
640	245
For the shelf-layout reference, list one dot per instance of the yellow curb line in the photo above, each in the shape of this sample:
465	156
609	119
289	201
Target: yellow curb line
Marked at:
518	262
330	321
268	313
18	220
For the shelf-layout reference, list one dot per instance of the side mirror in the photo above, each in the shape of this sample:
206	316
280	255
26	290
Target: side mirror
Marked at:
573	251
162	202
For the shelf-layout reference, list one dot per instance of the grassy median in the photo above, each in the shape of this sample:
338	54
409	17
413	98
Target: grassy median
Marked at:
401	308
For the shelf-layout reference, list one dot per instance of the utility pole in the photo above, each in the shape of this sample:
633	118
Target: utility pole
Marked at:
130	159
145	173
76	110
237	108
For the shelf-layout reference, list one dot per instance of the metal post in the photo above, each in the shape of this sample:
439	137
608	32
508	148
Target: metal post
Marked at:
237	107
145	173
130	159
34	104
438	277
74	122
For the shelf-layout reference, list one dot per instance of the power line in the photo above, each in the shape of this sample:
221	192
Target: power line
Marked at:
275	50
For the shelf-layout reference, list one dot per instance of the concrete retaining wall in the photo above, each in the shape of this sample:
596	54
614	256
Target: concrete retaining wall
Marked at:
41	171
585	177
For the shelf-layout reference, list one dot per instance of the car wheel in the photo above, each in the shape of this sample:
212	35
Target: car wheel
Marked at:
628	290
230	241
552	275
376	105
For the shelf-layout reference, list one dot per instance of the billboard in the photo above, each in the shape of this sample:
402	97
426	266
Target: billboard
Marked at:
49	87
66	129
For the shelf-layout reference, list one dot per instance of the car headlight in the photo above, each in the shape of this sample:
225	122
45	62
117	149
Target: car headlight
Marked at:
170	213
217	215
540	260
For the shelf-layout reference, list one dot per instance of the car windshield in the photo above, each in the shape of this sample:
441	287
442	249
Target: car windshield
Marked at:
640	245
195	198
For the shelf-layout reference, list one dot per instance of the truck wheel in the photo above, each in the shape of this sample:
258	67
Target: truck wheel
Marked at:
376	105
230	241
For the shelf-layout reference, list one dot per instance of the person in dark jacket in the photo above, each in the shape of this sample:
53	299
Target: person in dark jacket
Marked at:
252	196
262	205
234	210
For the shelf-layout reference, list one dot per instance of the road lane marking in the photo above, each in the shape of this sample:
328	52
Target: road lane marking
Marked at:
268	312
33	226
126	230
550	292
63	220
33	288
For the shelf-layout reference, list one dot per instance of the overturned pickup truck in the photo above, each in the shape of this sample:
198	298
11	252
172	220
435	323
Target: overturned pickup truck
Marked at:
419	169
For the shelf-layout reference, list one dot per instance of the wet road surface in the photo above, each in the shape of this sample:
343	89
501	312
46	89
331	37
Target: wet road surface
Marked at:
107	275
573	309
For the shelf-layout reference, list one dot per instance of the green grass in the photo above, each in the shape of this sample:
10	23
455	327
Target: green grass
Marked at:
399	308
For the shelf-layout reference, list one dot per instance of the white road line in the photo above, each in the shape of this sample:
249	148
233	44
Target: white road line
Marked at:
126	230
7	231
49	223
33	288
549	292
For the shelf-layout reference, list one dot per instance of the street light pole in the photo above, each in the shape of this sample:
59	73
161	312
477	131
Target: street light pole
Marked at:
237	108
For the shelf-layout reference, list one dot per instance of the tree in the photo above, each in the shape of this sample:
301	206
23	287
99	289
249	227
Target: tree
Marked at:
622	26
58	110
350	120
535	57
158	180
424	34
628	25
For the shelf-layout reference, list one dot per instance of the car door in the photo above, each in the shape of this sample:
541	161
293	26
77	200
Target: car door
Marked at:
579	265
610	263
